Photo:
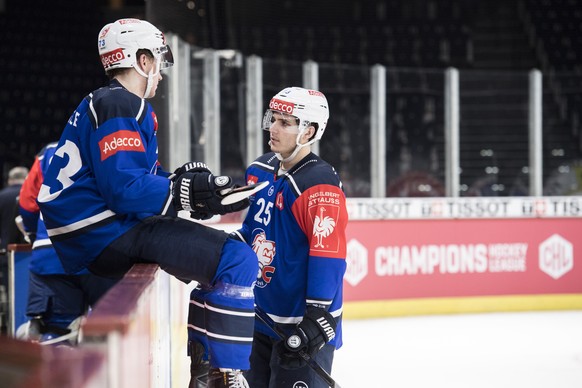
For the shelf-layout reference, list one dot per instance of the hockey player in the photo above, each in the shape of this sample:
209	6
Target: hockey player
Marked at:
297	228
107	203
55	299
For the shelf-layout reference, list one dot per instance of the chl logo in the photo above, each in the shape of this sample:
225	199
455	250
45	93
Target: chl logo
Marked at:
556	256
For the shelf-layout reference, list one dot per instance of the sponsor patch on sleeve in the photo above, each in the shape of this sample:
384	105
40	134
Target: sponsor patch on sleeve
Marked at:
323	208
123	140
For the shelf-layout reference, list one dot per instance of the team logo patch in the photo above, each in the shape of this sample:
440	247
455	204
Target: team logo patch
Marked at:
155	118
252	180
265	250
123	140
279	201
104	32
300	384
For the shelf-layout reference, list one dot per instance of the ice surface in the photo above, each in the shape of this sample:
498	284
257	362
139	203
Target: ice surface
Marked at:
493	350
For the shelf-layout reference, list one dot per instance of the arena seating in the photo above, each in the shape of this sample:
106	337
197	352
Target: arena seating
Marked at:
47	69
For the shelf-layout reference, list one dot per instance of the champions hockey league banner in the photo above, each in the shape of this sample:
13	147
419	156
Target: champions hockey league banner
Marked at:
405	249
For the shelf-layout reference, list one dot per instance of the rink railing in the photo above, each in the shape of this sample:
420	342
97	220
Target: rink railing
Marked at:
139	327
135	336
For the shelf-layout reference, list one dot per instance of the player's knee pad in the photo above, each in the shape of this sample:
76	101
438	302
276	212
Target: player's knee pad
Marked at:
222	301
232	291
238	264
230	321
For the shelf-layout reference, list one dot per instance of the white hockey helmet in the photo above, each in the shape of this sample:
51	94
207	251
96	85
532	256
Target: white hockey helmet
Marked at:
308	106
118	43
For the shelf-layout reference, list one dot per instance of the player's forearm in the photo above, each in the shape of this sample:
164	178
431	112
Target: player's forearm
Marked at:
325	278
148	195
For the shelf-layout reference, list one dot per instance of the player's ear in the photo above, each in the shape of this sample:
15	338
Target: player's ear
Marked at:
308	133
143	60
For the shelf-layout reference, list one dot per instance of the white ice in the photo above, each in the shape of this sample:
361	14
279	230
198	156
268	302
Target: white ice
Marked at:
493	350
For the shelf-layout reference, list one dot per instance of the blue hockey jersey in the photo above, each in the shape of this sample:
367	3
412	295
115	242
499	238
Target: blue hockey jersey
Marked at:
104	176
44	259
296	226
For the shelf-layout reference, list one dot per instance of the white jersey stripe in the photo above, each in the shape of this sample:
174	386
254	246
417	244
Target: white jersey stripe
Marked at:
295	320
318	301
44	242
294	184
230	312
193	327
263	165
195	303
141	107
80	224
229	337
168	202
93	113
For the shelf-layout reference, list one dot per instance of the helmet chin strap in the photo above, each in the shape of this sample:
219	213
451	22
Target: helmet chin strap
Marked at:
295	151
290	157
150	77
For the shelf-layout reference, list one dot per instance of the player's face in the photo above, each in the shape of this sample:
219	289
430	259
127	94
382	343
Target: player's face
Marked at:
283	133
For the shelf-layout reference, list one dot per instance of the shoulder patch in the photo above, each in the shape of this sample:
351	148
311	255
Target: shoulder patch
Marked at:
122	140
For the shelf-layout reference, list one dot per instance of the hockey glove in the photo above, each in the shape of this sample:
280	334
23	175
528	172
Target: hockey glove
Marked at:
198	191
310	335
189	167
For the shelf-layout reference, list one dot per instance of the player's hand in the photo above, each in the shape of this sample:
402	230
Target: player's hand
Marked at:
198	191
310	335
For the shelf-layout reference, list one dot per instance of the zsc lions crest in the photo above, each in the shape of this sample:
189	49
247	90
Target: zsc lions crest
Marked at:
265	250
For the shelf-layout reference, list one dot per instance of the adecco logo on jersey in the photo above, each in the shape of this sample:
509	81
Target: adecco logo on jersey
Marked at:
356	261
556	256
281	106
123	140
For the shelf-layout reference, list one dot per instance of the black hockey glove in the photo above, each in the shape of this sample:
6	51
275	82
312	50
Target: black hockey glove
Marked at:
310	335
198	191
188	167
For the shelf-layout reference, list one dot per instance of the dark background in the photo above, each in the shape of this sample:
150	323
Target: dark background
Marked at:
49	61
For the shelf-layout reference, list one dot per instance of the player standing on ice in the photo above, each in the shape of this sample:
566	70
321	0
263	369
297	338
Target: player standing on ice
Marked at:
107	203
297	228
